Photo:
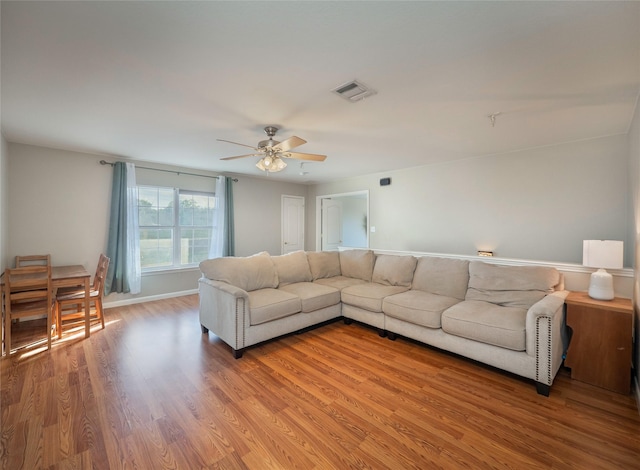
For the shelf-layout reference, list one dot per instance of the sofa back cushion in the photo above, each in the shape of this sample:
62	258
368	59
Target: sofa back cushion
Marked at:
249	273
292	267
357	264
510	286
391	270
442	276
324	264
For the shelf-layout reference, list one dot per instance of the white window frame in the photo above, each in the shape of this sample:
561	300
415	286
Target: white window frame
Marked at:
176	228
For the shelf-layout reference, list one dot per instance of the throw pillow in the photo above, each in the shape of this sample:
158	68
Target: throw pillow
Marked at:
357	264
249	273
510	286
292	267
391	270
323	264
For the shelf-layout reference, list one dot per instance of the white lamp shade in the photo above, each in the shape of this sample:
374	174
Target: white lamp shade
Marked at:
606	254
271	164
602	254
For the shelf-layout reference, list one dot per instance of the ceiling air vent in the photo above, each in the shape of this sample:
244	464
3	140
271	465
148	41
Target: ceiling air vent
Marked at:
353	91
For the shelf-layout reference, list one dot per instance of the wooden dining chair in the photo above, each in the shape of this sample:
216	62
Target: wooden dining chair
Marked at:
27	293
73	298
33	260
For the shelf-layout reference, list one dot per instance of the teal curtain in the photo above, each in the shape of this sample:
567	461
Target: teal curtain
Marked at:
223	236
123	249
229	230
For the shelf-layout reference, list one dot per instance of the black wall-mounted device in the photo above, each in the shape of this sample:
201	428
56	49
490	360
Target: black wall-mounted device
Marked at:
385	181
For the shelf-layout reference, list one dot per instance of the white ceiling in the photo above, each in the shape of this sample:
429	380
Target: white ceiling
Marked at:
161	81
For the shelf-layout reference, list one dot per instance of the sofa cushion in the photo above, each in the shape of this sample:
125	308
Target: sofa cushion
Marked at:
339	282
487	323
313	296
292	267
391	270
418	307
369	296
442	276
357	264
270	304
249	273
510	286
324	264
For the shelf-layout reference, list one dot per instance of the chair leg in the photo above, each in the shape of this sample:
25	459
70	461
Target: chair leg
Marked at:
59	320
49	326
99	311
7	334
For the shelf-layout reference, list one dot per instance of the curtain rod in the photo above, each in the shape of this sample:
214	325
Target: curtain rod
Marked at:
104	162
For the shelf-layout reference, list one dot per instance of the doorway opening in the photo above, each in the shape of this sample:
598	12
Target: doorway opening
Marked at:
342	220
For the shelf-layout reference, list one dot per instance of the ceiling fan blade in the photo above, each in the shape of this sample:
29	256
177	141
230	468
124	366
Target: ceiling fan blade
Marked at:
289	143
242	156
236	143
305	156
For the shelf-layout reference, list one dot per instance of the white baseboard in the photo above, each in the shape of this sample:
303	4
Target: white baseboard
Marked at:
149	298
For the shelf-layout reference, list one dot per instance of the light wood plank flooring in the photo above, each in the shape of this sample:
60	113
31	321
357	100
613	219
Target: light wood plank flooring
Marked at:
151	392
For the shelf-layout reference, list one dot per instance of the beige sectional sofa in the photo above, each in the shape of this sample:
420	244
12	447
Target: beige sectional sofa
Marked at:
509	317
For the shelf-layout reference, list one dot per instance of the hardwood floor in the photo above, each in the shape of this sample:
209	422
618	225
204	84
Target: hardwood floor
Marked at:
151	392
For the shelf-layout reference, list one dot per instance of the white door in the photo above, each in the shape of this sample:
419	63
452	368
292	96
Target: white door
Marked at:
292	224
331	224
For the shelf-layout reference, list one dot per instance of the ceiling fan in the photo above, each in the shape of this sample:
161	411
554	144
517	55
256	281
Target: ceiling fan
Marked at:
273	152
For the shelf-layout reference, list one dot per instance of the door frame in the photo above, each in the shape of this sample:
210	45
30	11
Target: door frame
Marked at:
319	213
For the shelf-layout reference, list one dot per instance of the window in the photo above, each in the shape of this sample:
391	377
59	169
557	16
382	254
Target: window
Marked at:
175	227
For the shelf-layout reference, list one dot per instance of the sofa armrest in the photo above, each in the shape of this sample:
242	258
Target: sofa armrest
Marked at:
224	310
225	287
545	336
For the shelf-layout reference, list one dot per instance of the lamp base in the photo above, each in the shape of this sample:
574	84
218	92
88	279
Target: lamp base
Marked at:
601	285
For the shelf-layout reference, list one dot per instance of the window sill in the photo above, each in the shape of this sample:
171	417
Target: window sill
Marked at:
169	270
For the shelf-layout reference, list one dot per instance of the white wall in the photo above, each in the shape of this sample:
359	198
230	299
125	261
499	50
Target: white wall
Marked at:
4	197
634	178
535	204
258	222
58	203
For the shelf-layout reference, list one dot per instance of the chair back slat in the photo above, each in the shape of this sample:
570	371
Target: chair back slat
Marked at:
27	292
74	298
101	274
27	278
33	260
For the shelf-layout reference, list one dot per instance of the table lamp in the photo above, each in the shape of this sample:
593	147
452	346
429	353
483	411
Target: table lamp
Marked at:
602	254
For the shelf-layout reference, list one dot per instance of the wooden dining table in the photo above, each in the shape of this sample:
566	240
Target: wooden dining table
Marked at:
71	276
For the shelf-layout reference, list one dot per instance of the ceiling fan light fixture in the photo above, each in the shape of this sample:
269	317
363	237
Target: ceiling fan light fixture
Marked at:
271	164
278	164
273	152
